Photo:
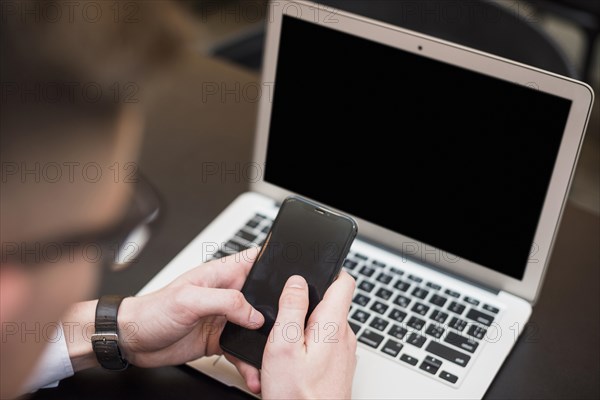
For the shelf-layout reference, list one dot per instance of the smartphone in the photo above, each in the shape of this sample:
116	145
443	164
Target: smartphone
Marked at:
306	239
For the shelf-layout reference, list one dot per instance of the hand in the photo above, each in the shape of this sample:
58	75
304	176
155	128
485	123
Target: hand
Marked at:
316	361
183	321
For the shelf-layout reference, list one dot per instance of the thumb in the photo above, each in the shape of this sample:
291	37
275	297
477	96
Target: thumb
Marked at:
288	329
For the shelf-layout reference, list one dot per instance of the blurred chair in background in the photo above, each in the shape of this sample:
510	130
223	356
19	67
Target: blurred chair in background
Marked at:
583	13
483	25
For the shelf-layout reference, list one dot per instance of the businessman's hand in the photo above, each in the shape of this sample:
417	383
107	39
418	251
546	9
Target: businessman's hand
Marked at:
184	320
312	361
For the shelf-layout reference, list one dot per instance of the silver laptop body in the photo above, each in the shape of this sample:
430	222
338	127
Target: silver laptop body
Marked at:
446	277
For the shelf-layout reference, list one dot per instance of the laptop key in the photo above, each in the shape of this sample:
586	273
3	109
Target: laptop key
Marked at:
480	317
378	264
429	368
379	323
361	299
397	331
402	286
462	342
491	309
235	246
420	293
447	353
409	359
367	271
266	229
415	278
416	340
247	236
456	308
431	365
438	300
366	286
478	332
392	348
447	376
370	338
379	307
471	300
253	223
227	251
384	293
397	315
434	286
433	361
402	301
452	293
384	278
396	271
435	331
219	254
361	316
458	324
416	323
438	316
360	256
355	327
350	264
420	308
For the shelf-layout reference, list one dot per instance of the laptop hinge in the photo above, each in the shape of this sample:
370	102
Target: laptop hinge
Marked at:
429	265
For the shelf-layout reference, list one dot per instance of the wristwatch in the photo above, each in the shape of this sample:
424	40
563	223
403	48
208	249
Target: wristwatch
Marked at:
105	341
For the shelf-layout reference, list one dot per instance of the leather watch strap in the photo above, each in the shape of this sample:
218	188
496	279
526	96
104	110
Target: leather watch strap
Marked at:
105	341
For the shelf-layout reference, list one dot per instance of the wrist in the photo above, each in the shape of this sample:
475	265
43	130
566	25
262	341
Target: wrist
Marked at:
127	328
78	327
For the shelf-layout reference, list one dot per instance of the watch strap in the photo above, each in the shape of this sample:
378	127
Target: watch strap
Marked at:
105	341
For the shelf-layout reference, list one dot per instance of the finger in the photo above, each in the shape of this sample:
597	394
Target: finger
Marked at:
228	272
336	301
288	330
250	374
226	302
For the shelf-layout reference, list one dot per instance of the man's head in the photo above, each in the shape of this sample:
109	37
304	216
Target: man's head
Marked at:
73	76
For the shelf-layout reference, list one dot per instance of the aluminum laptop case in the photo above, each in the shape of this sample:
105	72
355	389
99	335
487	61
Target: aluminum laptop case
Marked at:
377	375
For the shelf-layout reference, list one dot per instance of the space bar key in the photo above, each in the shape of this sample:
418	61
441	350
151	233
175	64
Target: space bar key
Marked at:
447	353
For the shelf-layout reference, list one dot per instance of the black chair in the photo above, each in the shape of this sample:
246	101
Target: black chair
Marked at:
583	13
482	25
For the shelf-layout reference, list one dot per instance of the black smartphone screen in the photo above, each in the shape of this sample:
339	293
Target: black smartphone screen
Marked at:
306	239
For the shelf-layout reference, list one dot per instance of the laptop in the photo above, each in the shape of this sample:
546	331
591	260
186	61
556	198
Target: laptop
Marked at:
456	165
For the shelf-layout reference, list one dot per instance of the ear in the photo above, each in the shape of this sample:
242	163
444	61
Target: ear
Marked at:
15	290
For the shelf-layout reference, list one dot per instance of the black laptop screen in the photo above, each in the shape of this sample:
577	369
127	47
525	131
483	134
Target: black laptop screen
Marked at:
452	158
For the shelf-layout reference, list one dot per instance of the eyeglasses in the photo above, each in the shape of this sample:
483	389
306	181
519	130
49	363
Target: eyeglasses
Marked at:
116	246
125	241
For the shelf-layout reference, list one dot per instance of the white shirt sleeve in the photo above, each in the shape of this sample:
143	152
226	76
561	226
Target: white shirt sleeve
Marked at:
53	366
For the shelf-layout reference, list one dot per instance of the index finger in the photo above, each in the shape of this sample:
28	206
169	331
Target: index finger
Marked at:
336	301
228	272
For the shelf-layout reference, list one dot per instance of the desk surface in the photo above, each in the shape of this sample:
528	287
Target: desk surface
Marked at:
558	356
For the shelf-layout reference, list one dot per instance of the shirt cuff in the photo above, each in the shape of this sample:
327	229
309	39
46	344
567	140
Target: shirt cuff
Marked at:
53	366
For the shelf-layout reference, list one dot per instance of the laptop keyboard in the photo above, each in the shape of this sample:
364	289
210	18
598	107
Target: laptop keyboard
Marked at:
433	329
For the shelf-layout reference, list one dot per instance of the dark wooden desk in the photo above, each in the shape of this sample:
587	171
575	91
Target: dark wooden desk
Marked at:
557	357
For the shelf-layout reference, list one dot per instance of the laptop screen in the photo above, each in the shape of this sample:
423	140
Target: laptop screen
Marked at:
449	157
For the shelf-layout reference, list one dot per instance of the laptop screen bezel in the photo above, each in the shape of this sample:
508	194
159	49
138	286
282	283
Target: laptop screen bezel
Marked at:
579	93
